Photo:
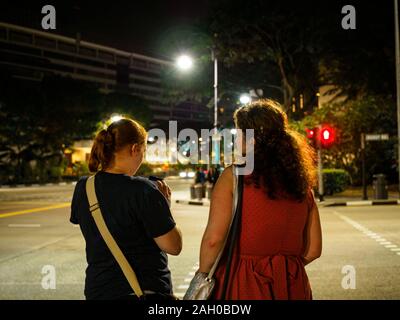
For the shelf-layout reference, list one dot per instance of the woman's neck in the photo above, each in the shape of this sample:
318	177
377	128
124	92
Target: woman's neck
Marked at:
119	170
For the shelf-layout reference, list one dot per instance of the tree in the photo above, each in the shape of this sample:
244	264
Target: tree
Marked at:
128	105
373	114
39	120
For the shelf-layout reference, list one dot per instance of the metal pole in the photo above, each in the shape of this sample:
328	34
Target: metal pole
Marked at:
396	33
320	175
364	180
216	150
215	91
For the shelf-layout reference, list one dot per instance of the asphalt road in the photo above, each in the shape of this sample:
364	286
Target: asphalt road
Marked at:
360	260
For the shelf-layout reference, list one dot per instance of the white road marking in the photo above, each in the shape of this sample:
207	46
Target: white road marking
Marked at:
183	286
369	233
24	225
179	294
181	290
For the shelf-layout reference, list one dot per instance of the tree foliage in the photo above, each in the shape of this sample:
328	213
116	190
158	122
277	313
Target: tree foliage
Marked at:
372	114
40	119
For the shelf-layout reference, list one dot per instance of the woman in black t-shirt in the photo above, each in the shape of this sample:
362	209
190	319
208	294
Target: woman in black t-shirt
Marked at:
136	211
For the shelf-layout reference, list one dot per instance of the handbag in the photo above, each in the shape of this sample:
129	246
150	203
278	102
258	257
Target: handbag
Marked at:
202	285
126	268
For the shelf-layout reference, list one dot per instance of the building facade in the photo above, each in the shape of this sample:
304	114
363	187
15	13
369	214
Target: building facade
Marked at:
30	54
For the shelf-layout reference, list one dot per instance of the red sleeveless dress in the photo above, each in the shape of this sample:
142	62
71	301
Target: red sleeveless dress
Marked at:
267	264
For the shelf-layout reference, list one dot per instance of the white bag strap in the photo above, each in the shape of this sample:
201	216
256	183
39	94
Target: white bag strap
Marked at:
108	238
234	205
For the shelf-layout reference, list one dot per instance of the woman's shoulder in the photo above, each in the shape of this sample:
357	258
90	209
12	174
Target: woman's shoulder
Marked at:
141	183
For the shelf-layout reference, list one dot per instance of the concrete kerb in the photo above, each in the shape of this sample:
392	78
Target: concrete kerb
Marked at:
361	203
35	185
322	204
193	202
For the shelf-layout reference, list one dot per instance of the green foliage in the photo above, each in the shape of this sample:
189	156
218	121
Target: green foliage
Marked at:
130	106
145	170
335	180
80	169
371	114
39	120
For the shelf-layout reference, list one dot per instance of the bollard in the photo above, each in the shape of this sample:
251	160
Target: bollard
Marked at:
198	191
380	186
209	191
192	192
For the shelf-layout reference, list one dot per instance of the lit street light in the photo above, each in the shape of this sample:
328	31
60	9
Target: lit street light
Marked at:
115	118
245	99
184	62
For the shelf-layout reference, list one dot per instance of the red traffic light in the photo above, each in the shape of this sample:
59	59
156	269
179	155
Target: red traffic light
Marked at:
325	136
310	133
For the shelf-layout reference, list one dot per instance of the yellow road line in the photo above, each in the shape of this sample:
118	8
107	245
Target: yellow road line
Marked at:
16	213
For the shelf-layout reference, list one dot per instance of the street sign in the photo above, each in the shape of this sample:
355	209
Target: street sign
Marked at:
376	137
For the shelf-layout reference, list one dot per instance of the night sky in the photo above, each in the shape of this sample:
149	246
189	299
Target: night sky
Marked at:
139	26
158	28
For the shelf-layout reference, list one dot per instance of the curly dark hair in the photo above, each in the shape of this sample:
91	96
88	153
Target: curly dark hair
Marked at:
284	163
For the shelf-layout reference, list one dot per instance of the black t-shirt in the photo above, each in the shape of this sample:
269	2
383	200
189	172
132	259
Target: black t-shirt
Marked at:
135	212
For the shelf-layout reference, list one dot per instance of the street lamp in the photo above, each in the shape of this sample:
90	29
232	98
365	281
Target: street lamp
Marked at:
245	99
115	118
184	62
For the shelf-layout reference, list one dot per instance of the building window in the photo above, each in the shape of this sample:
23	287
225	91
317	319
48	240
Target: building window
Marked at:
106	56
145	73
139	63
87	52
20	37
3	33
44	42
154	66
67	47
147	83
122	60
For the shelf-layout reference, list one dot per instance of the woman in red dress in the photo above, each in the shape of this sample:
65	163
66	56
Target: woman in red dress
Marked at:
280	229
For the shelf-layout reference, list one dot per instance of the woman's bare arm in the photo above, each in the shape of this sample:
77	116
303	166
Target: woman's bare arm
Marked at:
218	221
313	234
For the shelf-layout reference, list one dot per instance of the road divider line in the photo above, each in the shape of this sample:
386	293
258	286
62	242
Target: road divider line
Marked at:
24	225
16	213
370	234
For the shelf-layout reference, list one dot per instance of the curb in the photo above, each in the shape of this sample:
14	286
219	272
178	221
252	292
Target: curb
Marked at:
363	203
193	202
35	185
335	204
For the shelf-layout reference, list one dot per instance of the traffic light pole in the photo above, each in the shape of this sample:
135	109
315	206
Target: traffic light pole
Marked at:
364	180
397	52
320	175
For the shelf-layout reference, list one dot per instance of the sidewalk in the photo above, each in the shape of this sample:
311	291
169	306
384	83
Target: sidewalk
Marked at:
353	196
349	197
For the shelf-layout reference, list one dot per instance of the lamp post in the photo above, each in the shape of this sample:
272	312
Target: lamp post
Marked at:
397	52
185	62
216	138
